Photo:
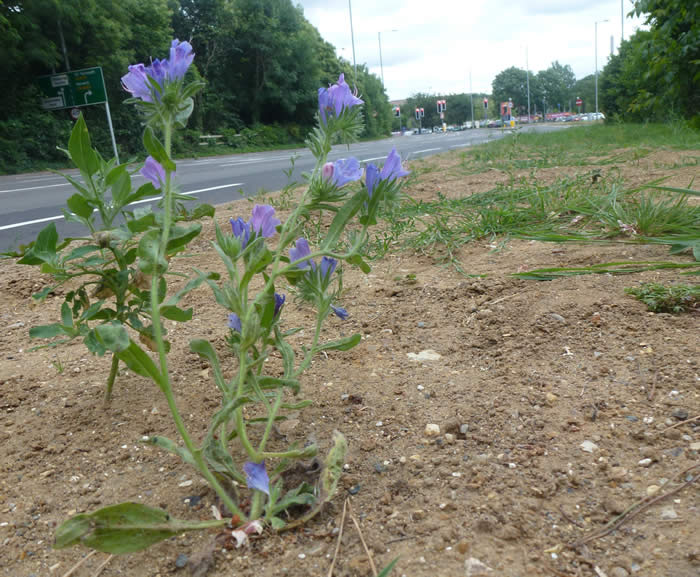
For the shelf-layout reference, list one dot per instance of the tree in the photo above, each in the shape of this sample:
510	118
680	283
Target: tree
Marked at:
672	55
555	85
585	90
511	84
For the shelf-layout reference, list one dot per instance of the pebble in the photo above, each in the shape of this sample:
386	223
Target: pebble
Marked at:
463	429
695	446
653	490
557	317
632	418
449	438
355	489
476	568
379	468
588	446
618	572
668	513
680	414
550	397
185	483
426	355
181	561
645	462
432	430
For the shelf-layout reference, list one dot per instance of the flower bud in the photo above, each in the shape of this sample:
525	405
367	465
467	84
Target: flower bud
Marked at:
327	171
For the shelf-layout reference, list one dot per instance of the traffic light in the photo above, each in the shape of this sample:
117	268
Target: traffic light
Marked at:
441	106
422	113
417	113
486	102
397	112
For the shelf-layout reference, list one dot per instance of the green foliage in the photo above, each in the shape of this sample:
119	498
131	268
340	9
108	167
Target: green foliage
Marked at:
673	299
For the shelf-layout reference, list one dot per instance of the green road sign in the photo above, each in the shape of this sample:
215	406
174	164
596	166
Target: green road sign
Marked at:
71	89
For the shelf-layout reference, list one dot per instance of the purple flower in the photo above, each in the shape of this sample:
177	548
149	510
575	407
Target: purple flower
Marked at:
336	98
392	168
256	476
153	171
340	312
263	221
279	301
241	230
136	82
327	266
345	170
299	251
181	56
371	178
234	322
158	70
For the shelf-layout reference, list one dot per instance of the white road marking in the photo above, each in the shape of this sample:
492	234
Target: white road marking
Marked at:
461	145
150	199
371	159
426	150
36	187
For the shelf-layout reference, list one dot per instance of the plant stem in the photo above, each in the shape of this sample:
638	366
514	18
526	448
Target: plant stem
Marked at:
110	379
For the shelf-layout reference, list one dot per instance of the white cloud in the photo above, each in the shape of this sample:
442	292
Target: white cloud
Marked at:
437	44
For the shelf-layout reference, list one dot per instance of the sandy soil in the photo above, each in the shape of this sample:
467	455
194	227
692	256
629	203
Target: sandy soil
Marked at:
554	401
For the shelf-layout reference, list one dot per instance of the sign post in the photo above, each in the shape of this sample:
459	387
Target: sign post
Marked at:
74	89
579	102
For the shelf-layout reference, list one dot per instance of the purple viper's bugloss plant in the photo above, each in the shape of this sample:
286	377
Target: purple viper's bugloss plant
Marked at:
336	98
342	171
256	476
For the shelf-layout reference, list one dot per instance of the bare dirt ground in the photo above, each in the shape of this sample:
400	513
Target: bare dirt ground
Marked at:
560	405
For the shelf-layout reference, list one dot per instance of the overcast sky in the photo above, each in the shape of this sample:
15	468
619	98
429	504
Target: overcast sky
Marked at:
436	44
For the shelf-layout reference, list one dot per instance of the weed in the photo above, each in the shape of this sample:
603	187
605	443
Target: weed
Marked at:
674	299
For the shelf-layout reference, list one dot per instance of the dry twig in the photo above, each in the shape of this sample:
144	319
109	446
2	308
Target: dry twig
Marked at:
78	564
101	567
681	423
340	536
569	519
634	510
362	539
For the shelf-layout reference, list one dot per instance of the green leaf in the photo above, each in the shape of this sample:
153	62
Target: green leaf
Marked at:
265	382
138	361
357	260
157	150
340	345
78	205
120	191
124	528
81	251
80	149
142	220
387	570
184	112
342	218
113	336
180	236
174	313
205	349
46	331
150	261
66	315
44	249
171	447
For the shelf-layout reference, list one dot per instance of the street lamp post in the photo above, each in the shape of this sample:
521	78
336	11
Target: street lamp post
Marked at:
352	37
596	63
381	63
527	66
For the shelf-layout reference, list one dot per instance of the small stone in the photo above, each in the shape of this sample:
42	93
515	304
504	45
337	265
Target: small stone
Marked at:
653	490
418	515
432	430
619	572
557	317
475	568
597	354
645	462
550	398
301	556
421	325
379	468
426	355
187	483
680	414
668	513
613	506
673	434
632	418
588	446
694	446
181	561
463	547
449	438
463	429
355	489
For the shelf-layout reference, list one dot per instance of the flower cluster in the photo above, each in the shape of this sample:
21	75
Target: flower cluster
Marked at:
148	82
336	98
298	254
342	171
153	170
262	223
391	170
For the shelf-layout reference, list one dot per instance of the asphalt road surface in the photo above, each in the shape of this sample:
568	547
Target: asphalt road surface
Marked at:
31	201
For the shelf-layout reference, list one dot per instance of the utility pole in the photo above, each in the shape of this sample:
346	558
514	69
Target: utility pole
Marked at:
527	66
352	37
471	94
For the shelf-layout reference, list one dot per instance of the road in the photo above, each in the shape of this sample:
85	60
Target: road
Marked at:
31	201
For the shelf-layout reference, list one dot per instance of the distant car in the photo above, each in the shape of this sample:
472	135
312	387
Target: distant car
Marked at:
437	128
494	123
597	116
